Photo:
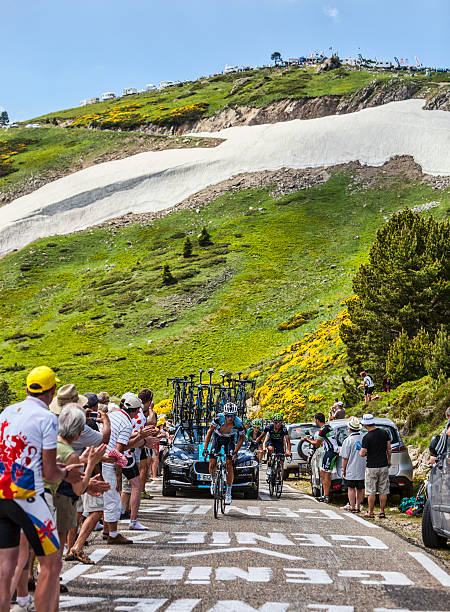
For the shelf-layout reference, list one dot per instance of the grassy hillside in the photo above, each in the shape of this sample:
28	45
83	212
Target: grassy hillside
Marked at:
253	87
93	306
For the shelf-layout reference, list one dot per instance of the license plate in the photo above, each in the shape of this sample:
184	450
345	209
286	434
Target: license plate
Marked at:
204	477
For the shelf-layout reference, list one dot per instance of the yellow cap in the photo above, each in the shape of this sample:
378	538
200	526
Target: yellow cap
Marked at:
161	421
41	379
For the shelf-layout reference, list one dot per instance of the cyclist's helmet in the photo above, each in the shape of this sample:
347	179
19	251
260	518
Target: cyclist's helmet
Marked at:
257	423
230	409
277	417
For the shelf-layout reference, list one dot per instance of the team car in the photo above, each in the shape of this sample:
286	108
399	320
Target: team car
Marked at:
186	469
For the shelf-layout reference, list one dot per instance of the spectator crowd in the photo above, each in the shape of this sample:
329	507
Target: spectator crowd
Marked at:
71	463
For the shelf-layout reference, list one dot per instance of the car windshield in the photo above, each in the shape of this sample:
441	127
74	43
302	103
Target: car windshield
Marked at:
342	433
297	431
193	435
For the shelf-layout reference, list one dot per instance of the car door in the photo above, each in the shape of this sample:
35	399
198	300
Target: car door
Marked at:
440	494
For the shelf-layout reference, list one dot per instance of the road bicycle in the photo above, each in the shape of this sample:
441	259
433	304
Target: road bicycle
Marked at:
276	474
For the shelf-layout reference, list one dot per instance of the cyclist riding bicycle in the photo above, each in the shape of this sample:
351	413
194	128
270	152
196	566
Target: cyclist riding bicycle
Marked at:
277	441
222	433
252	435
247	424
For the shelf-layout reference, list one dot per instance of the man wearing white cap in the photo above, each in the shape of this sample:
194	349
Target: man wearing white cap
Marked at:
353	465
376	445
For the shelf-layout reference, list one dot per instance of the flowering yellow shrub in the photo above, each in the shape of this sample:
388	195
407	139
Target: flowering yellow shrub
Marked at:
297	320
179	114
9	148
289	379
315	398
163	407
124	116
129	116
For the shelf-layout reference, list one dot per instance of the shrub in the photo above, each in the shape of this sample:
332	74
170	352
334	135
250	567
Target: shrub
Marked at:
406	357
187	247
297	320
6	395
167	277
204	238
438	362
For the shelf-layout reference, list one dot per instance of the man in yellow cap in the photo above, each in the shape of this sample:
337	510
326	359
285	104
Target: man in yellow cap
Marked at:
28	437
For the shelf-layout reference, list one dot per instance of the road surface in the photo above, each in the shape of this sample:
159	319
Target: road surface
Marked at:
268	555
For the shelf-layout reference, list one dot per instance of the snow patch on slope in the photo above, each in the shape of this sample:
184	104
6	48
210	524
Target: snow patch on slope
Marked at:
156	181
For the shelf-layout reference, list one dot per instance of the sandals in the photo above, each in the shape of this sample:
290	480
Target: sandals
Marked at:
382	515
74	555
369	516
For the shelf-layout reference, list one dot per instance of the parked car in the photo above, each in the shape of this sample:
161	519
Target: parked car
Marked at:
185	468
400	471
436	512
301	451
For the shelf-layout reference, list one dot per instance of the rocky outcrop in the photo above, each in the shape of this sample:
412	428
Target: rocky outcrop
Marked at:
439	101
375	93
331	63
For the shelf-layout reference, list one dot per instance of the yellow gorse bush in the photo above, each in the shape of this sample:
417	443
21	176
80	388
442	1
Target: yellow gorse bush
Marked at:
9	148
292	374
128	116
164	407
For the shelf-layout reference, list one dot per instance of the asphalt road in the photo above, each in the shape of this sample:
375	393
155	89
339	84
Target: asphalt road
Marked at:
268	555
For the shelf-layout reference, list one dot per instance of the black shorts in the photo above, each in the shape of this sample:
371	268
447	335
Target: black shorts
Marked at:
228	444
354	484
144	453
328	461
34	517
278	446
132	469
368	390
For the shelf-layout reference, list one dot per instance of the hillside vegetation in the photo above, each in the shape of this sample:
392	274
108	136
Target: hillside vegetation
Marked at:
93	304
252	87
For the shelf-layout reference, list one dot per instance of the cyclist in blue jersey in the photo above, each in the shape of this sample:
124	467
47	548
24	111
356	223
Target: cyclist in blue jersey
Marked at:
222	433
277	441
327	437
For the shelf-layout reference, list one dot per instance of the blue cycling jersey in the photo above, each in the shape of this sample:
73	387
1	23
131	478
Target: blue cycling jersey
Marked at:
217	423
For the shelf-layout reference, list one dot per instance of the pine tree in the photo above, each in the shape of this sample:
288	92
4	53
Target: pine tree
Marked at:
404	287
187	247
438	363
4	118
6	395
167	277
406	357
204	238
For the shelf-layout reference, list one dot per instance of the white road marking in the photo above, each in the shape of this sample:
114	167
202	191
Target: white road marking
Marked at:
269	553
370	540
358	519
249	511
69	601
253	574
330	608
80	568
310	576
114	572
394	578
234	605
199	575
170	573
139	604
432	568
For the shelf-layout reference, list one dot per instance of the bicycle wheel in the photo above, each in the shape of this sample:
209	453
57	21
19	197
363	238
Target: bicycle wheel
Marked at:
271	483
279	485
217	493
222	496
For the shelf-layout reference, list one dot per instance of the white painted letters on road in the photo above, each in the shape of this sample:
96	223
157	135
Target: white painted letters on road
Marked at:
396	578
311	576
254	574
371	541
169	573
